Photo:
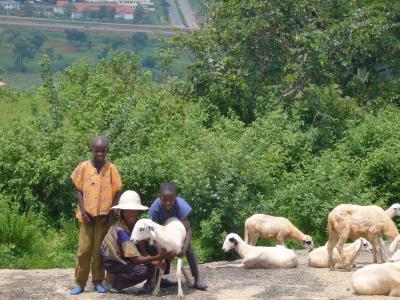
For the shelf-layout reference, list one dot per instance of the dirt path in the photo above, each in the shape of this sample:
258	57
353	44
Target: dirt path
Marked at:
226	283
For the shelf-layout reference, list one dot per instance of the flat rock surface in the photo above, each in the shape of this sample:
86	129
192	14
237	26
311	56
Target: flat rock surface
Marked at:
302	282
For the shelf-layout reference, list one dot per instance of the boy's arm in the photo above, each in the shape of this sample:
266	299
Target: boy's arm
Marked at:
188	237
142	259
85	216
106	218
116	198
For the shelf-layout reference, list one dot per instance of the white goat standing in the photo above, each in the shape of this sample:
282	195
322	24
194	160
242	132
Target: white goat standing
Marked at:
255	257
318	258
170	236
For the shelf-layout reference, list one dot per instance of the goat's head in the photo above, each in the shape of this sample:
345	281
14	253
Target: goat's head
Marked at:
396	209
308	243
144	229
231	241
366	246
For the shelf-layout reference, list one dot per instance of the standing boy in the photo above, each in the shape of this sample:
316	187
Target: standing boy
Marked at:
98	187
168	205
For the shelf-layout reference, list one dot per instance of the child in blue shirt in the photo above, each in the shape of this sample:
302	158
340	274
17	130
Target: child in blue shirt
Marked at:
168	205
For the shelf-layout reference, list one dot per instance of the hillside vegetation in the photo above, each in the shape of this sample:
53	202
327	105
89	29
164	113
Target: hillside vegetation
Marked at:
288	108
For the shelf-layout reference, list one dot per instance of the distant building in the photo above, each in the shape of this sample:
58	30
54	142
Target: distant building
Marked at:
10	4
148	5
124	12
60	7
82	9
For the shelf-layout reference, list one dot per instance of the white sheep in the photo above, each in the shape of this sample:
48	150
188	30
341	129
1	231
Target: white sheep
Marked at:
318	258
393	210
275	228
255	257
378	279
355	221
170	236
394	249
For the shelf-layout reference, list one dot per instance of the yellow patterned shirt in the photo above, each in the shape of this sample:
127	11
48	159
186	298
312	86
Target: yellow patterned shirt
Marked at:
99	189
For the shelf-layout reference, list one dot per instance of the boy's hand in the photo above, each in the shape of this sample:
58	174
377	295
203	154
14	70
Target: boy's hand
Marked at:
159	264
167	255
87	218
104	219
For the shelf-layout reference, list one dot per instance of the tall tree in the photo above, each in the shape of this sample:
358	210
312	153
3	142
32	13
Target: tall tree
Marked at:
23	50
251	56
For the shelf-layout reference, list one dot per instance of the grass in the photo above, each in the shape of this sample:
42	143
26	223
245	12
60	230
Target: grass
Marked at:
23	81
16	106
66	53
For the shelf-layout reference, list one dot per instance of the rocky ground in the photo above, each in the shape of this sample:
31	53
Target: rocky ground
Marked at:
224	283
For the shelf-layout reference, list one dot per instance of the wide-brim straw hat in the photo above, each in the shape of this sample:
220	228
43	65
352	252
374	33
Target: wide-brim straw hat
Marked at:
130	200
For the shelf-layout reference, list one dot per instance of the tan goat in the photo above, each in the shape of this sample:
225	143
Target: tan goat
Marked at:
355	221
274	228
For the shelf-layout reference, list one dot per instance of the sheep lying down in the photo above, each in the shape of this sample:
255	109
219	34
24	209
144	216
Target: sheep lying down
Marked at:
378	279
255	257
318	258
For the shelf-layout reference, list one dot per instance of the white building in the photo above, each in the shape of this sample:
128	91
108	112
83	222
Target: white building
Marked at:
147	5
60	7
10	4
124	12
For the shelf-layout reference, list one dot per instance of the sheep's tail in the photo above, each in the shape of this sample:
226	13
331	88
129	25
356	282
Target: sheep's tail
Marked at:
246	235
329	226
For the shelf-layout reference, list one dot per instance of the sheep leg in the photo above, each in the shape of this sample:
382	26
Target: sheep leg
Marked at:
384	252
241	265
157	288
187	277
344	235
246	236
253	240
371	240
179	277
332	241
377	249
375	257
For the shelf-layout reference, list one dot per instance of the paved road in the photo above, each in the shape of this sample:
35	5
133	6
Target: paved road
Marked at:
173	14
60	25
188	14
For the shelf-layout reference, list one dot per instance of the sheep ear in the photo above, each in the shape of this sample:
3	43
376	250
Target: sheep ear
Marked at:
152	232
234	241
